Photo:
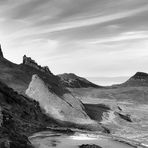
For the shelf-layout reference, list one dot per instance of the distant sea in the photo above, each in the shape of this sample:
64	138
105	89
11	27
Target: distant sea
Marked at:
106	81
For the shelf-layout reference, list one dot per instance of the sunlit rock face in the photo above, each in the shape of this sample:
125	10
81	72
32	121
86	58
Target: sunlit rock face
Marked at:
64	108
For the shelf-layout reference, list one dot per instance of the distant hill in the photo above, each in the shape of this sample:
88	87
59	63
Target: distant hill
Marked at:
73	81
139	79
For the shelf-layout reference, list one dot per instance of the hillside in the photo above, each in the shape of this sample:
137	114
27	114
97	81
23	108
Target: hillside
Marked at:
73	81
140	79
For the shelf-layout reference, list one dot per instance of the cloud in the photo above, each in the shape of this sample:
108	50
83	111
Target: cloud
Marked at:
87	37
81	23
126	36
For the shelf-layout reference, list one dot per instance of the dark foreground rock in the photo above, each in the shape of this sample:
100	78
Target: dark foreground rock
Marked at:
89	146
19	118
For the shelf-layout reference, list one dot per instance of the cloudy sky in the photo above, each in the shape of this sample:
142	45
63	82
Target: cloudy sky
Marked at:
92	38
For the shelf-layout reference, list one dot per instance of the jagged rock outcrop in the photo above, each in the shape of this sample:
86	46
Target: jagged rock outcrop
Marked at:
1	53
73	81
64	108
28	61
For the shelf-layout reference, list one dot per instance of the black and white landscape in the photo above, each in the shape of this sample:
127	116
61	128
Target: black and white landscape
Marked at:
73	74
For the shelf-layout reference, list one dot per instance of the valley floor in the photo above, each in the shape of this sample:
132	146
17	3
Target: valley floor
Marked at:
127	118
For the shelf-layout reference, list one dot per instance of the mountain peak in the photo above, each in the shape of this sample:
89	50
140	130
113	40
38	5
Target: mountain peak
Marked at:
1	53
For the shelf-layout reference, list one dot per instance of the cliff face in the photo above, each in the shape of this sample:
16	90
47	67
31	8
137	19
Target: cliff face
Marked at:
28	61
64	108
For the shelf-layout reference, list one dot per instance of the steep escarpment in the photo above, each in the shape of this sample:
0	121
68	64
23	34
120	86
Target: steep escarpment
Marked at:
64	108
19	117
73	81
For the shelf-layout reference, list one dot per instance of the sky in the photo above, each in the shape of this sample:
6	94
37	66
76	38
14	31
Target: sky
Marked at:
91	38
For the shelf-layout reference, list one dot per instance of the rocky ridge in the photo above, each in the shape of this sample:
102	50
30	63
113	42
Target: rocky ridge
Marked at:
30	62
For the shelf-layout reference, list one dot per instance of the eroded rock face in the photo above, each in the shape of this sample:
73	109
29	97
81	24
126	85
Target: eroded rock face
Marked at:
64	108
28	61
